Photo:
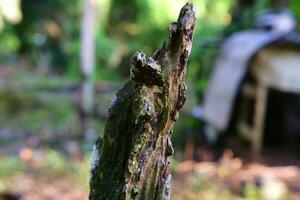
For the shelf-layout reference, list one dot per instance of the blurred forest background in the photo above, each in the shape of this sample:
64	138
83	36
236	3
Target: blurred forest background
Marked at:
40	81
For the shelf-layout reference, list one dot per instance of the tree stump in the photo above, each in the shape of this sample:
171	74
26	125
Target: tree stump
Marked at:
131	160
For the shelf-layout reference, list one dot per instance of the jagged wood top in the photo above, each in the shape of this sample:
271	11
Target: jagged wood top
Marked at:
178	45
132	156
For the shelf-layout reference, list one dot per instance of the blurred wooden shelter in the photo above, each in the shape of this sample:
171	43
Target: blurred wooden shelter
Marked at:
249	64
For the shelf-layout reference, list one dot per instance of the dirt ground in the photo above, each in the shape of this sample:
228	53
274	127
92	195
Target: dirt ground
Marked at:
276	177
30	187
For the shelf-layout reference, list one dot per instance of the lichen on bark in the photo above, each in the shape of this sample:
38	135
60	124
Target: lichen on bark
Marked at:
136	144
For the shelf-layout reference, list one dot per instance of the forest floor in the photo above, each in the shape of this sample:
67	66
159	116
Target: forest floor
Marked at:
39	155
274	175
47	175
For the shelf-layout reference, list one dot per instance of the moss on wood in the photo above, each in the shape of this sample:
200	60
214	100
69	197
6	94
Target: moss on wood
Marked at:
133	154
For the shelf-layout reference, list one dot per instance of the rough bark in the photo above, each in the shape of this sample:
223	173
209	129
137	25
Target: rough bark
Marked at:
131	160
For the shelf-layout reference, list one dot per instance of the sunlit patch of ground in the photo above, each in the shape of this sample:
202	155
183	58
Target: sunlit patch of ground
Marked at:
231	178
45	174
31	187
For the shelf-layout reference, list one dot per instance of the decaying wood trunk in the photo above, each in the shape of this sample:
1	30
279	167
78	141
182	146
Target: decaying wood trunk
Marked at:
131	160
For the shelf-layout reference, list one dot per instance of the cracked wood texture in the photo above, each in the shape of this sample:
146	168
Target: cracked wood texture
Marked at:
131	160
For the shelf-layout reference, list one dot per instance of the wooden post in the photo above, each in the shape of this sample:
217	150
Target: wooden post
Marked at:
259	116
131	161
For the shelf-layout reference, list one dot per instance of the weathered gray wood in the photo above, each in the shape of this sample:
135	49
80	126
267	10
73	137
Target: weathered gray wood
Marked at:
278	67
228	72
259	117
131	161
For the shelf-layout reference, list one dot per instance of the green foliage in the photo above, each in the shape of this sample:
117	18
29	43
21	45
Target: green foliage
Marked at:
199	181
9	165
32	114
55	164
294	6
10	43
49	36
251	191
49	32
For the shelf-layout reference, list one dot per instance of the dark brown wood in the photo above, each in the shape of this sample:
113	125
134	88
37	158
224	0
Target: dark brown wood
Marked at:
131	160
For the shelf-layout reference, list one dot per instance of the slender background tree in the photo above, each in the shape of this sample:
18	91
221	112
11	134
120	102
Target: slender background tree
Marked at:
87	64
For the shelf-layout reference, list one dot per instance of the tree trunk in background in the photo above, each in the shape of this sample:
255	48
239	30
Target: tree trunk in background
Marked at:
245	11
87	63
131	161
278	4
243	15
